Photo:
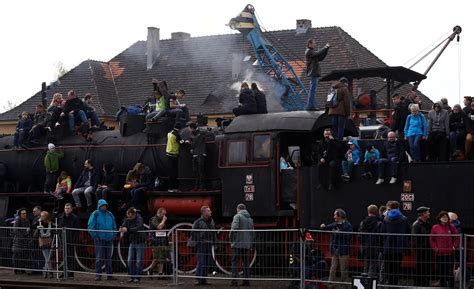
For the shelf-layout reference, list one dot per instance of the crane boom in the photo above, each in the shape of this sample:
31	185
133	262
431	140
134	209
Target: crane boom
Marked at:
271	62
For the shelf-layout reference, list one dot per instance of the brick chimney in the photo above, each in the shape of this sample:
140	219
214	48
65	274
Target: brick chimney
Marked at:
302	25
180	36
152	47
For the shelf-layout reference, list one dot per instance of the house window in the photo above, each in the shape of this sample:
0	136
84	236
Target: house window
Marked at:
261	147
237	152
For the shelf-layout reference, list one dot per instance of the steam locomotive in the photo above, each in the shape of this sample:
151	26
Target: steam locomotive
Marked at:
242	166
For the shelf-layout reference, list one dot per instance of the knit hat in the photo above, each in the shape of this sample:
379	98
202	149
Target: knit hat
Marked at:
51	146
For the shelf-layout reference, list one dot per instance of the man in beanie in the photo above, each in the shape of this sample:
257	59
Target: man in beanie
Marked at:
422	246
340	246
51	164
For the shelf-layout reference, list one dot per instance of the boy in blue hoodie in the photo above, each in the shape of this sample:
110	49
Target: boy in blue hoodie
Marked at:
351	158
371	157
100	221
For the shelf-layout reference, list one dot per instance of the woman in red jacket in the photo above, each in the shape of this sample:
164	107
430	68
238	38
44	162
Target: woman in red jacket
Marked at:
444	247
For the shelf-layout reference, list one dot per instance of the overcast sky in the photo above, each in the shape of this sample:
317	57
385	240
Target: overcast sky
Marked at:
36	35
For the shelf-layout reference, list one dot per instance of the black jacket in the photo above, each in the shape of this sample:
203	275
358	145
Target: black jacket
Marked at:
371	243
83	178
70	221
312	61
393	149
423	228
202	234
330	150
400	114
198	144
146	179
75	104
109	178
459	122
247	100
261	101
133	228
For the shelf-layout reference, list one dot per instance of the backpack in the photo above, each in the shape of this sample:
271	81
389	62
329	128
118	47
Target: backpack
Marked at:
332	100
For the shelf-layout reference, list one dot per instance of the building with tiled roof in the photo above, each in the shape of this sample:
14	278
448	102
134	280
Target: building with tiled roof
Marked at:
208	68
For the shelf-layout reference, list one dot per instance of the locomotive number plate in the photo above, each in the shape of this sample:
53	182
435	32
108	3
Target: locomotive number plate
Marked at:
407	206
407	197
249	189
248	197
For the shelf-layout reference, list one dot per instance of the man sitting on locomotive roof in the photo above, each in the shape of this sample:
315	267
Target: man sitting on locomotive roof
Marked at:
176	107
247	102
23	127
160	107
40	122
330	158
90	110
75	109
392	153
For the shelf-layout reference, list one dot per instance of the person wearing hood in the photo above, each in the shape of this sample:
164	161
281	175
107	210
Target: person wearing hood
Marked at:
445	105
51	164
133	229
145	182
23	127
340	245
247	102
351	158
444	242
371	157
108	181
342	109
371	242
241	237
395	243
313	69
102	229
260	98
421	243
438	133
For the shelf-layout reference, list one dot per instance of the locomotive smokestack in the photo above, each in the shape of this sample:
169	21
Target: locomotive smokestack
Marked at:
152	47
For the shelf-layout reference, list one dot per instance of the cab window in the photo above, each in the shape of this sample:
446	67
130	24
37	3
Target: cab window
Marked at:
237	152
261	147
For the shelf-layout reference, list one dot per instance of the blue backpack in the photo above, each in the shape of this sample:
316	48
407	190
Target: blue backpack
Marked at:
332	100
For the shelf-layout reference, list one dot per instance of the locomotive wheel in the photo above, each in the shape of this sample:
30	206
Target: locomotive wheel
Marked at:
222	255
187	260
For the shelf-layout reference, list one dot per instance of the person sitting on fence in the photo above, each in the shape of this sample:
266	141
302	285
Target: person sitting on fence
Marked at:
133	228
392	154
23	127
444	248
371	157
102	229
351	158
159	242
107	183
45	241
85	184
371	241
395	243
421	245
340	246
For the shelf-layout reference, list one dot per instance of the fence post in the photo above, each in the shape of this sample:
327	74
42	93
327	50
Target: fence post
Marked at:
463	262
302	262
63	233
174	248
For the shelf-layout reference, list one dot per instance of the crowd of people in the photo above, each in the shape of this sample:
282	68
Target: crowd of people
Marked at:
72	113
40	235
387	236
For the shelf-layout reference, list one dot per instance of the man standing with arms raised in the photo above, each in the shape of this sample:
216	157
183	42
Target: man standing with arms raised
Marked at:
313	70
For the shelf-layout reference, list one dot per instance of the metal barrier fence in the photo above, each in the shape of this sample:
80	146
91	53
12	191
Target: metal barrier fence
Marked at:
300	258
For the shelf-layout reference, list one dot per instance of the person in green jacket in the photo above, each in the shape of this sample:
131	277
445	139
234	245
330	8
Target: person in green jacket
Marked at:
241	241
51	164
